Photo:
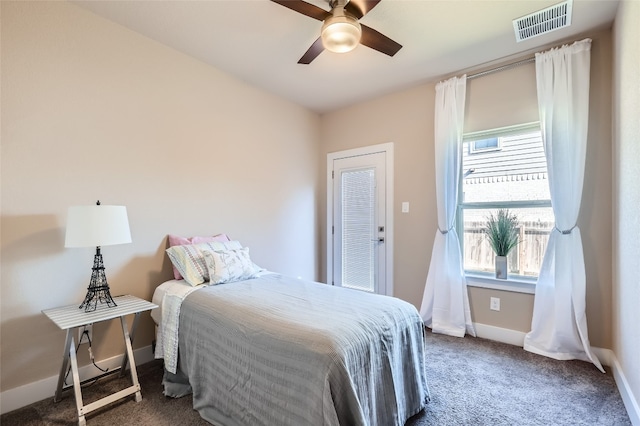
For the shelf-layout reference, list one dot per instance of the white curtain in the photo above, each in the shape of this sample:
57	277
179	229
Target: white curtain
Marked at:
445	304
559	324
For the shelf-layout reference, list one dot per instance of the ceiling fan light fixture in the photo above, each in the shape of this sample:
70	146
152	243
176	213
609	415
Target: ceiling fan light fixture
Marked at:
341	32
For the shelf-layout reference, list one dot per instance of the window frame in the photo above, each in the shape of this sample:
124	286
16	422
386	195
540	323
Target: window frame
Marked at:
514	282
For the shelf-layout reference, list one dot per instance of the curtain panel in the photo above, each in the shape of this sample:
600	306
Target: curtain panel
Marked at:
445	303
559	323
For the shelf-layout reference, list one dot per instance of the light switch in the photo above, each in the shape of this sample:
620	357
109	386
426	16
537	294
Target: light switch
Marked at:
405	207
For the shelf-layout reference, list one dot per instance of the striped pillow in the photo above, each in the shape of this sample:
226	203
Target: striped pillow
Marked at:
190	262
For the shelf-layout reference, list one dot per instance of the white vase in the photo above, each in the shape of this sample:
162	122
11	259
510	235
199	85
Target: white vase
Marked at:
501	267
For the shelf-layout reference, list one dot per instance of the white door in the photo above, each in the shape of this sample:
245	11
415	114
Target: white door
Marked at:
359	238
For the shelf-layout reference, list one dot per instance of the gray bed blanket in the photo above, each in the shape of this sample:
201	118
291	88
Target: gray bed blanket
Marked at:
280	351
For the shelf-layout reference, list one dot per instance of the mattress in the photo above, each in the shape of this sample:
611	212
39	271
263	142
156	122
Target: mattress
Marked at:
281	351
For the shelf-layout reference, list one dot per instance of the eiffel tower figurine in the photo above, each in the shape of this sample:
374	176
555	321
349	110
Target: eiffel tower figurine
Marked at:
98	290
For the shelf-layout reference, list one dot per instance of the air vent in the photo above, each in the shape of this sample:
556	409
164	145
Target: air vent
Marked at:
543	21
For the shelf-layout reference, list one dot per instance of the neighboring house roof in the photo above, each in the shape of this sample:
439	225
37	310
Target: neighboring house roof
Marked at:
518	157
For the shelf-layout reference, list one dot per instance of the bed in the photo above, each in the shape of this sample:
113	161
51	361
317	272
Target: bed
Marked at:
274	350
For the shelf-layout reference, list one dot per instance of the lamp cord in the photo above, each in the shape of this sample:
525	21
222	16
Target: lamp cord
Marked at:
93	361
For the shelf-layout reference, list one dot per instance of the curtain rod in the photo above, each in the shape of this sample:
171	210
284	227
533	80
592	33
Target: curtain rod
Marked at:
502	68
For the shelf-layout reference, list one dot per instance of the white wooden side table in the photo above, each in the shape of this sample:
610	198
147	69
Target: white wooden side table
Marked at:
71	318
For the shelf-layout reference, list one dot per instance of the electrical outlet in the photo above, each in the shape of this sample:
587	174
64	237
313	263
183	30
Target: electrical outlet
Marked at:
494	305
82	336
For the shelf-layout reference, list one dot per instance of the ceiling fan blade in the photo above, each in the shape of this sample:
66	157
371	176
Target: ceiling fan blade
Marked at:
359	8
313	52
378	41
305	8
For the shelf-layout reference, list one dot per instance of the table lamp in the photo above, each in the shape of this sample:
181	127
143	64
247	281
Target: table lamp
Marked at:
96	226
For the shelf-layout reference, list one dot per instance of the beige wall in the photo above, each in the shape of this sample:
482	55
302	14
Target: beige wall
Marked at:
91	110
406	119
626	195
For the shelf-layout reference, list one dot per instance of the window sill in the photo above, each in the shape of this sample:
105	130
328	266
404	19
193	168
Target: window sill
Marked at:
516	285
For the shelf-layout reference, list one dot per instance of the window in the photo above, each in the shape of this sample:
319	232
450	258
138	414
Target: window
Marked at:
505	168
483	145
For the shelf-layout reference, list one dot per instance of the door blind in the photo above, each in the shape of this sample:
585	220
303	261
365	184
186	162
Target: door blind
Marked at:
358	229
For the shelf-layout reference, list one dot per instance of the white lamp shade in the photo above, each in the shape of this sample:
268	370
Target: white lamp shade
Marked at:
93	226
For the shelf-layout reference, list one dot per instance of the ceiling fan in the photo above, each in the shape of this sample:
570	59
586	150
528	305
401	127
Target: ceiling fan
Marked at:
341	32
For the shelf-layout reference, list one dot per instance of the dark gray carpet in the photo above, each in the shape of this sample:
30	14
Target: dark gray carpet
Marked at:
472	382
480	382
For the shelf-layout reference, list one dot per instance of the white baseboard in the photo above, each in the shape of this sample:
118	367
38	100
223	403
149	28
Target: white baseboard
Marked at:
516	338
498	334
630	401
21	396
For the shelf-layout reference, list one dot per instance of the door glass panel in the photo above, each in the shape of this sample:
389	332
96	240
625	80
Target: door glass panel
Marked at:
358	229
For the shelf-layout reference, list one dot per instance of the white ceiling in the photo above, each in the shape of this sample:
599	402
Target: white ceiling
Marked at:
260	42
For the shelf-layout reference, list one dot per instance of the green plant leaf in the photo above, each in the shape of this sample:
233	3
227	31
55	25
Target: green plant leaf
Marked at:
502	231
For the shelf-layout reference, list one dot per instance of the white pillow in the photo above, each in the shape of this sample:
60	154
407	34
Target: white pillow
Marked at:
190	262
229	266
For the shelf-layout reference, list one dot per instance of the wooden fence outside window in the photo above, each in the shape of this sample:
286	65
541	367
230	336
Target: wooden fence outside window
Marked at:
524	260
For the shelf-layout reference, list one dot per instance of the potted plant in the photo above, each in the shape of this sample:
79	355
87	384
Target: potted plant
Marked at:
502	232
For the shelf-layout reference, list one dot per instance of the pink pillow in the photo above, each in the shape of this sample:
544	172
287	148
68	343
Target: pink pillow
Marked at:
175	240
